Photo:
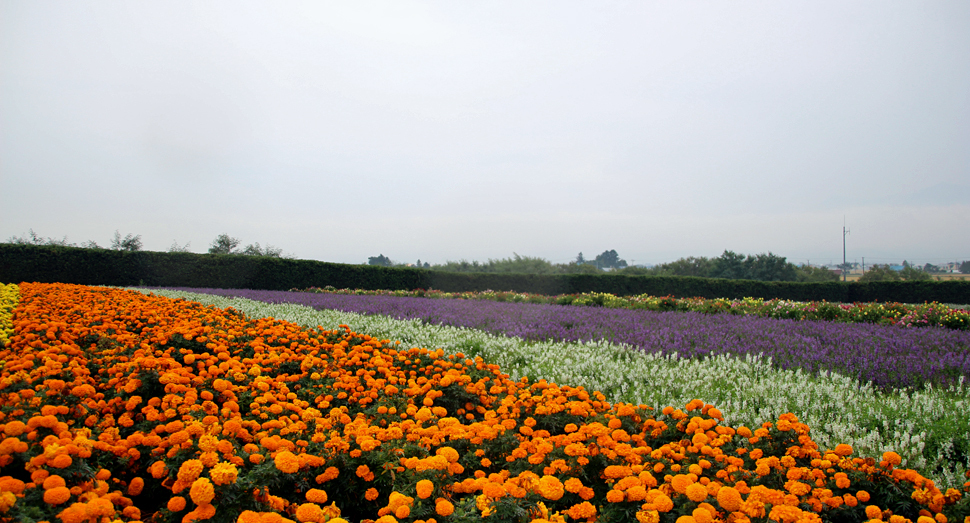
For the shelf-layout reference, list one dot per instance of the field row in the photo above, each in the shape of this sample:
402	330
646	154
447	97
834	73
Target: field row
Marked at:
901	314
885	356
926	427
129	407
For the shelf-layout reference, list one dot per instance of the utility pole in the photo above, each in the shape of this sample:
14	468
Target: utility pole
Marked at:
845	267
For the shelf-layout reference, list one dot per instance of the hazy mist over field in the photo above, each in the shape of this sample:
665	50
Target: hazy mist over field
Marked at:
448	130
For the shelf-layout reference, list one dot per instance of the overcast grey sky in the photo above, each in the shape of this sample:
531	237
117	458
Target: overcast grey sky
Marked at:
475	130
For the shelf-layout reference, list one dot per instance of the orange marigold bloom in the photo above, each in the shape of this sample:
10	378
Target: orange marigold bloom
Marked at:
892	458
584	510
53	481
696	492
680	482
202	491
425	488
443	507
76	513
371	494
309	513
136	486
176	504
224	473
287	462
729	498
402	512
61	461
686	519
57	495
363	471
873	512
190	470
248	516
316	495
551	488
615	496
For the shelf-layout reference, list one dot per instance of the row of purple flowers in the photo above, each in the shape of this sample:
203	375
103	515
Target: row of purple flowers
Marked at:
886	356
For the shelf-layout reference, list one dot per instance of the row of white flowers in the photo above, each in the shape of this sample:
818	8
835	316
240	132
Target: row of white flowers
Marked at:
927	428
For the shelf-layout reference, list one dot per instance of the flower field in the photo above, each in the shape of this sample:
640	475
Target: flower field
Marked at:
905	315
926	427
121	406
886	357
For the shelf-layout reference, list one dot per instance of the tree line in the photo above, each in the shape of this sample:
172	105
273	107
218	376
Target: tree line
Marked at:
222	244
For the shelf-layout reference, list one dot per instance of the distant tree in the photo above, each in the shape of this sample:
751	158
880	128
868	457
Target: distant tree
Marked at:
930	268
91	244
880	273
34	239
910	273
579	259
769	267
256	250
807	273
129	243
729	265
691	266
380	260
178	248
223	244
965	267
580	268
609	260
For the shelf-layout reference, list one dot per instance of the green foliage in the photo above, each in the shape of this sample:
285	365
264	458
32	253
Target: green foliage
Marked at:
223	244
965	267
20	262
880	273
130	242
609	260
910	273
380	260
807	273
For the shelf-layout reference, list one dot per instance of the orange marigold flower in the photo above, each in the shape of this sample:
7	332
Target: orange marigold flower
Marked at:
309	513
176	504
205	511
425	488
729	498
316	495
402	512
57	495
696	492
615	496
248	516
61	461
224	473
190	470
76	513
136	486
551	488
873	512
53	481
582	510
680	482
287	462
202	491
371	494
443	507
892	458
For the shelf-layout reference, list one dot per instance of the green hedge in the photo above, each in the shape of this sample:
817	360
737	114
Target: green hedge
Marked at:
162	269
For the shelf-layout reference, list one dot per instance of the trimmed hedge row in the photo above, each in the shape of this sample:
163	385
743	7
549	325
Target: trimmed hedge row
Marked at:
50	264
